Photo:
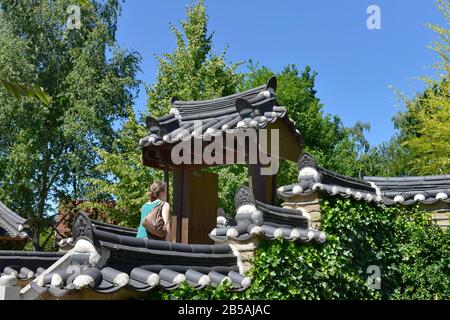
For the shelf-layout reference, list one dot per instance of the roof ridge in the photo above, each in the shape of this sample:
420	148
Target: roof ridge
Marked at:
271	84
407	178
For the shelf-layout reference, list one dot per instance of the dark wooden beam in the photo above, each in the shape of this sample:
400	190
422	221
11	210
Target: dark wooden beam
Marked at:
177	203
263	186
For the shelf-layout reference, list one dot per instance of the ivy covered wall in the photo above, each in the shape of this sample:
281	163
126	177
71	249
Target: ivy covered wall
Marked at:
413	256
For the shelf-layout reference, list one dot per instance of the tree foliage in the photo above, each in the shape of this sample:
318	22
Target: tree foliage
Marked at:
192	71
18	90
47	150
125	179
429	133
388	159
420	145
336	147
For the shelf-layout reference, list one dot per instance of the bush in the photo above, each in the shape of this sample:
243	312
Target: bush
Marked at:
412	254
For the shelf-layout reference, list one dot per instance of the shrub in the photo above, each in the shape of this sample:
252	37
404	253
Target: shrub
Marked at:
412	254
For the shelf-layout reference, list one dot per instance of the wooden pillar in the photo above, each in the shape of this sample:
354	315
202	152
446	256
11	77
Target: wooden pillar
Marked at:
203	206
263	187
185	211
194	205
177	203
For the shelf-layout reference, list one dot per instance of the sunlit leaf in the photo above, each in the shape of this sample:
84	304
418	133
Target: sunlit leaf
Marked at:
84	2
18	91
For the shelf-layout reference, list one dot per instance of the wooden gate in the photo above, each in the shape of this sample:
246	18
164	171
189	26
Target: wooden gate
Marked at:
195	206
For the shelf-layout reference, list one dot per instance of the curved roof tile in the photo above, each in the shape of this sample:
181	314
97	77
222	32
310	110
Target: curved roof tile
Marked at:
255	218
412	190
11	224
313	178
107	258
254	108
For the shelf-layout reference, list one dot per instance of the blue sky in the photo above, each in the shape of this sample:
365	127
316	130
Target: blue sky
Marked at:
356	66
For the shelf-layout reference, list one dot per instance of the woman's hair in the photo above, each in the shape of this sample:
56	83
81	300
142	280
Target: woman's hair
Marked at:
155	189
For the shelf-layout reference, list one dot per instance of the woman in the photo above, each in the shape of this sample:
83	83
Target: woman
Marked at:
157	194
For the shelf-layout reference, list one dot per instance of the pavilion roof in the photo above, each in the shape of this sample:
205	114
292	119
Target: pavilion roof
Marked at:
254	108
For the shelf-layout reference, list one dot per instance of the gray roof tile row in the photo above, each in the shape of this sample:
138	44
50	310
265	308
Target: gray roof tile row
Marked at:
11	224
254	108
257	219
313	178
412	190
384	190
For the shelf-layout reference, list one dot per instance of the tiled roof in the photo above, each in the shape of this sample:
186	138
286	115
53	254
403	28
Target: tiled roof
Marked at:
26	265
107	258
386	190
314	178
254	218
11	224
254	108
411	190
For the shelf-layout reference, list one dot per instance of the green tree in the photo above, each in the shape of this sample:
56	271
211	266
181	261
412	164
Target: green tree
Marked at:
427	136
336	147
18	90
47	151
125	179
387	159
420	145
190	72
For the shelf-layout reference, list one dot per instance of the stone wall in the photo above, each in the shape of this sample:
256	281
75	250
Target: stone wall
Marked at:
244	251
440	212
310	207
442	217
